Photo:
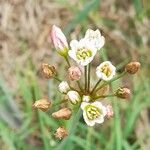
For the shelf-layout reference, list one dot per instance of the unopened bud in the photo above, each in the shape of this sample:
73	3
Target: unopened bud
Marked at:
74	97
59	41
86	98
123	93
64	87
61	133
42	104
48	71
64	113
109	111
132	67
74	73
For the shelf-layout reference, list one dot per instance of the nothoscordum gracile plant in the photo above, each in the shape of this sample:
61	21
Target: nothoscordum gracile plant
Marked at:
85	97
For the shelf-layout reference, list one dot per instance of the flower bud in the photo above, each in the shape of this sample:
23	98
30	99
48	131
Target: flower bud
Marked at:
74	97
64	113
109	111
123	93
64	87
74	73
132	67
48	71
42	104
86	98
59	40
61	133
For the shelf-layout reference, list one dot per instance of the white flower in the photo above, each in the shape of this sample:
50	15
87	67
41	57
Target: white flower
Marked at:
59	41
82	51
64	87
74	97
86	98
93	112
106	71
95	38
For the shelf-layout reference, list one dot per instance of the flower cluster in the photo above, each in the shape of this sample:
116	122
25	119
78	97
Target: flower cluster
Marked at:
85	96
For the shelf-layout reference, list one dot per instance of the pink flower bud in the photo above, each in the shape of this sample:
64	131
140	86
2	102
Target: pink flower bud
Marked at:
74	73
59	40
109	111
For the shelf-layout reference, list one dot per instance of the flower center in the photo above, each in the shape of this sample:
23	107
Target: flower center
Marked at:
106	70
83	53
92	112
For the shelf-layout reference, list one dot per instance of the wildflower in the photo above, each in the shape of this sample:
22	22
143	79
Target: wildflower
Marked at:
123	93
64	87
74	73
48	71
82	51
74	97
59	40
106	71
109	111
42	104
132	67
93	113
86	98
95	38
64	113
61	133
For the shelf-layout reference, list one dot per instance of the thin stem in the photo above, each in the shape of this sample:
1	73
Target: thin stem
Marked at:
67	60
104	96
79	85
58	103
89	70
108	82
56	78
95	86
85	74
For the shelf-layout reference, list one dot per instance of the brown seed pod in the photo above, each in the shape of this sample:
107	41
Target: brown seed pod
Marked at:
48	71
64	113
123	93
42	104
132	67
61	133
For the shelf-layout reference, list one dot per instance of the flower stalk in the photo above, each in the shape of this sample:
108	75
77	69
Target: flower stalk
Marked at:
108	82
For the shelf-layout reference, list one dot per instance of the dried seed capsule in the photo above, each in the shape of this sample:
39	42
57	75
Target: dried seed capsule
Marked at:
42	104
61	133
48	71
132	67
64	113
123	93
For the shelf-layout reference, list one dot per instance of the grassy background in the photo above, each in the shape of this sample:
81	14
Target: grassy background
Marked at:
24	27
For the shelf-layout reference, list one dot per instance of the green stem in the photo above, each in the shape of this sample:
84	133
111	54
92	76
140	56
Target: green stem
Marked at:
108	82
95	86
104	96
79	85
56	78
58	103
85	74
89	70
67	60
